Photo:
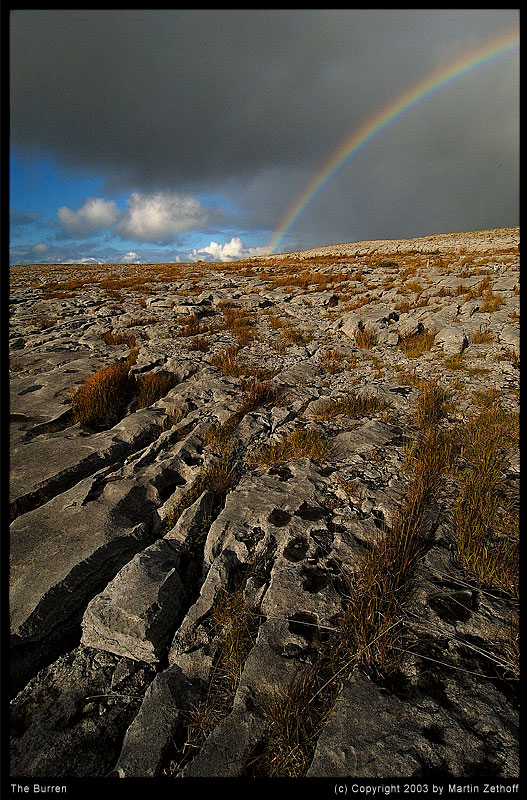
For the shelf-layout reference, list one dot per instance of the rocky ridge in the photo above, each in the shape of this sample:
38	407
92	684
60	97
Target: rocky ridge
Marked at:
135	544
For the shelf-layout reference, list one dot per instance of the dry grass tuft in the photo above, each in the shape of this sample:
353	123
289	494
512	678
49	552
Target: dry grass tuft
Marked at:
152	386
227	361
258	393
365	338
300	443
118	338
416	344
100	401
235	626
487	525
351	404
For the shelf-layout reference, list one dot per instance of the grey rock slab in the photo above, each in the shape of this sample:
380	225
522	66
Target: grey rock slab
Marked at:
136	612
66	551
509	337
141	607
53	462
161	717
69	720
44	396
372	734
58	547
226	751
452	339
366	437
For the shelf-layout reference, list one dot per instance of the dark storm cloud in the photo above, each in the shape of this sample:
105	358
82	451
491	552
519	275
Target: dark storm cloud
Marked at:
251	103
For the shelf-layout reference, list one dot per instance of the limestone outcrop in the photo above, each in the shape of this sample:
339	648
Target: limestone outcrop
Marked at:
179	576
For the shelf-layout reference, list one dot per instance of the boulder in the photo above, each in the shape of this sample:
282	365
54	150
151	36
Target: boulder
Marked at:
452	339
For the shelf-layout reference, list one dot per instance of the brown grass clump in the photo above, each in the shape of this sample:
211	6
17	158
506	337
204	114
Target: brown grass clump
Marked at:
365	338
487	524
300	443
294	720
331	361
351	404
416	344
258	393
492	301
238	321
199	343
431	405
102	398
118	338
152	386
293	336
190	326
227	361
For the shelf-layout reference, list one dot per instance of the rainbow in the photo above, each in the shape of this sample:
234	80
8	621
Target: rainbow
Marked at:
387	116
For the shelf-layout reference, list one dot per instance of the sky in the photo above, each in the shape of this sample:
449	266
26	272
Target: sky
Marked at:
185	135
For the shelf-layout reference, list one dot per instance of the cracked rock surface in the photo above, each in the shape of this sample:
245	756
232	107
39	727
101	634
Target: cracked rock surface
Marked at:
139	546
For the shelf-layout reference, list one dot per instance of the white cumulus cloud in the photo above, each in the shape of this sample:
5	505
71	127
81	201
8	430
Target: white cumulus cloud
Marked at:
131	258
41	247
231	251
160	217
95	215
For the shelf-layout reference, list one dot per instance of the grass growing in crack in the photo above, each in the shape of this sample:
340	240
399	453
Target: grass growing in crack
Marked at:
384	579
368	631
351	404
227	361
416	344
300	443
219	477
235	626
294	720
102	398
487	526
153	386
